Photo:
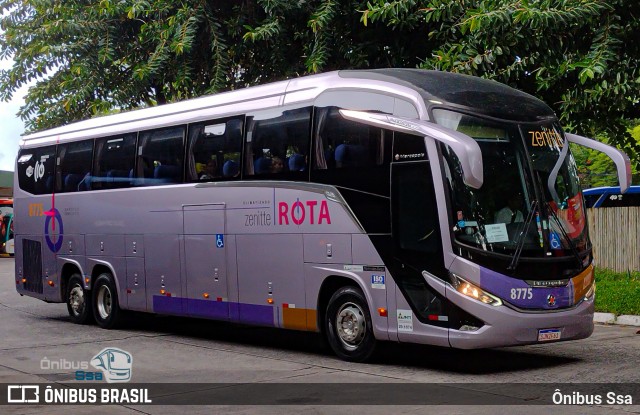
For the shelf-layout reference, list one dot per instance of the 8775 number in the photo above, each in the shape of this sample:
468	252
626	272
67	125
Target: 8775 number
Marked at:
521	293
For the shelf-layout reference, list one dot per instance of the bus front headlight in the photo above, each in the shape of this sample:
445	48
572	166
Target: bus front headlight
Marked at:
470	290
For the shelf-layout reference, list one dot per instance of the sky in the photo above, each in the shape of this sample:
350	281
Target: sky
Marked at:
11	126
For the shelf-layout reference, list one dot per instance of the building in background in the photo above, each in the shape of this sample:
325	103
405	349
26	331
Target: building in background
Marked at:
6	183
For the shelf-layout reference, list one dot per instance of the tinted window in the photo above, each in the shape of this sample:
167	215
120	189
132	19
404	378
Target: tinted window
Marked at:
351	154
74	166
277	145
114	162
214	150
346	144
36	170
407	147
160	159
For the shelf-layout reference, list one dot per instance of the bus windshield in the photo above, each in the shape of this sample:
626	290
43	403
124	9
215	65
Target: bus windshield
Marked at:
530	198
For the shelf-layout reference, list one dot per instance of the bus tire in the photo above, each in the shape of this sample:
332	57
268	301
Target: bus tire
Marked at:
106	310
78	300
348	325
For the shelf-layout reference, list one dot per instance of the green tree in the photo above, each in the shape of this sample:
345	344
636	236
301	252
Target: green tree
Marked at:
579	56
91	57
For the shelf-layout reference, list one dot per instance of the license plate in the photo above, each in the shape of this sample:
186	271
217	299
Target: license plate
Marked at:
548	334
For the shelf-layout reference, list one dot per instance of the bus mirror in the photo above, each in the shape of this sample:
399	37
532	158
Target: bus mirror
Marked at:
464	147
621	160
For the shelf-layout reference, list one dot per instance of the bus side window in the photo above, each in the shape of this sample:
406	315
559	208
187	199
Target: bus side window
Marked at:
344	151
342	143
73	170
114	162
160	157
278	144
36	170
214	150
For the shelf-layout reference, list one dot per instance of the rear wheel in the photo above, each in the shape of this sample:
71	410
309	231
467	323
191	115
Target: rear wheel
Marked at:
348	325
78	300
106	310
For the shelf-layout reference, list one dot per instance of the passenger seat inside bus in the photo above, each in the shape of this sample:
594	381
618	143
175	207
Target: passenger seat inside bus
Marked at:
350	155
230	169
297	162
71	182
262	165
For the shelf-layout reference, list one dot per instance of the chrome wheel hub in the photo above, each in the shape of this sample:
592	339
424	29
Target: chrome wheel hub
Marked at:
76	300
351	325
104	302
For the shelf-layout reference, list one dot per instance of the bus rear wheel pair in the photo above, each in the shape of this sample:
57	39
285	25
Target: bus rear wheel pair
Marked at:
99	304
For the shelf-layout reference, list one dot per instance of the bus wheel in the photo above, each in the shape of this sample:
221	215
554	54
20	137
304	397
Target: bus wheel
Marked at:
348	325
105	302
78	300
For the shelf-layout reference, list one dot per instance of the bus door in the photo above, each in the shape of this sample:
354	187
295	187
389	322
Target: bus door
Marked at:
417	246
206	264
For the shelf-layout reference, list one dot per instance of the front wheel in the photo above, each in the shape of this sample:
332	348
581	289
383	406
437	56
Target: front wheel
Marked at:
78	300
105	302
348	325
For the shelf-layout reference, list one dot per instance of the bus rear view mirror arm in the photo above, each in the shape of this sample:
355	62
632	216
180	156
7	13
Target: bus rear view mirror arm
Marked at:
464	147
623	164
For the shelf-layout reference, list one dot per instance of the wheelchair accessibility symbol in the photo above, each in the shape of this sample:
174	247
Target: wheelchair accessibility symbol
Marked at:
554	241
219	240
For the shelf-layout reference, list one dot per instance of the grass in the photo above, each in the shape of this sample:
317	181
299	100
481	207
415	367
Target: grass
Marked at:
617	293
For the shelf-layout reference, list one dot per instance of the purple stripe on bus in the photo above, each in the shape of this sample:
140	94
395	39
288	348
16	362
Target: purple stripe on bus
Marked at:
167	305
256	314
208	309
502	286
247	313
234	312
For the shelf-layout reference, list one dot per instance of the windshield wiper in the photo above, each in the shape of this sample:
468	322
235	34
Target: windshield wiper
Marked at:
521	236
573	247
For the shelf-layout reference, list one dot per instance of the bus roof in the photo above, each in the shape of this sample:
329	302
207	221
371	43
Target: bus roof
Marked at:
468	92
431	87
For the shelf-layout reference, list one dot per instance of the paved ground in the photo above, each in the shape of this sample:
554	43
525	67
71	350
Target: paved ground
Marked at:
181	350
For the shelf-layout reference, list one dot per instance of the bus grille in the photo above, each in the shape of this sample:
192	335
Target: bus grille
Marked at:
32	265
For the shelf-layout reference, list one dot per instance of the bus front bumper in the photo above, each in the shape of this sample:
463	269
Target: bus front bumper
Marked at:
505	326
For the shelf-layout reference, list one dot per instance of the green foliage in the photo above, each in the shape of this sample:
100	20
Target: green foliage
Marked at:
579	56
617	293
89	57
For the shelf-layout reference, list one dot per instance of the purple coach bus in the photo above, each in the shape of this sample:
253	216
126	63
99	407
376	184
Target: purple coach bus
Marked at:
384	205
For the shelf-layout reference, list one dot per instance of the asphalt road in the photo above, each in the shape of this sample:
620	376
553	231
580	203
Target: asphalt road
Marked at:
167	349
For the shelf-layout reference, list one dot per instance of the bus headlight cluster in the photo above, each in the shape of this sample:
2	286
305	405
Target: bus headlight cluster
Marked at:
470	290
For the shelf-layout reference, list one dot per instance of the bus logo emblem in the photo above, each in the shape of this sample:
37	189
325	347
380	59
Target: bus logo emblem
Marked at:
551	300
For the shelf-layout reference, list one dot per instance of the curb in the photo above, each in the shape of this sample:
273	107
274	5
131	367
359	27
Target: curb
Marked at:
609	318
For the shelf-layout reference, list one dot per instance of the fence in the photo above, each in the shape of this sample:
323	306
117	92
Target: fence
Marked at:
615	234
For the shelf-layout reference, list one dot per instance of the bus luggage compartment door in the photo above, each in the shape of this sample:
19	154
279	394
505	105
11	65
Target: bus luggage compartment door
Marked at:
205	258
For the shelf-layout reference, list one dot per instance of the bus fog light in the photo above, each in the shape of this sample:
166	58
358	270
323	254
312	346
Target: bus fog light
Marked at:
467	327
470	290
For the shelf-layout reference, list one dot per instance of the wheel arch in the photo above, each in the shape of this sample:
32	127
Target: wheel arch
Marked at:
101	267
330	285
69	268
